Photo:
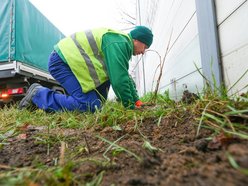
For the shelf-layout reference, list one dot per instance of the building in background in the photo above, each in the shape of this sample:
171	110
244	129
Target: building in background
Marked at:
198	37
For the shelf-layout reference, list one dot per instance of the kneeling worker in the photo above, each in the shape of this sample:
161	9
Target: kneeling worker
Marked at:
85	64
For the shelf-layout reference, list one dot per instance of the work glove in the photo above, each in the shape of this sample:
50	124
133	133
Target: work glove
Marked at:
138	104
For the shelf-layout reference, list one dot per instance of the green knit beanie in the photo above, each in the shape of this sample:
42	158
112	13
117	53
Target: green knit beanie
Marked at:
142	34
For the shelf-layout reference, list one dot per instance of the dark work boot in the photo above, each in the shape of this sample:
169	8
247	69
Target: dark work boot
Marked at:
27	100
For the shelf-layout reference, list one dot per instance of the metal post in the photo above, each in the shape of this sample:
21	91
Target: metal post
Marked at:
209	42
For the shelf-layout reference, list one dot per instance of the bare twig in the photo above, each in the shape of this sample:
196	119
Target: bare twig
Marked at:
87	145
62	154
160	59
161	67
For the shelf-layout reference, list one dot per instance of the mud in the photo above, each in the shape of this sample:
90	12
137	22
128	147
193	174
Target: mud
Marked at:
178	157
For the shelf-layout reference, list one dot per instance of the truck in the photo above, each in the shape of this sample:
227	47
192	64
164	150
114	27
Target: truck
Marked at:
27	38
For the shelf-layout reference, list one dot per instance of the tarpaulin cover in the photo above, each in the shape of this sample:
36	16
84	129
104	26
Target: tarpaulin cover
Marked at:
5	31
26	35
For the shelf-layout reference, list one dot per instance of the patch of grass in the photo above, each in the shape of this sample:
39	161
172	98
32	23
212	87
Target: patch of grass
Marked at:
213	111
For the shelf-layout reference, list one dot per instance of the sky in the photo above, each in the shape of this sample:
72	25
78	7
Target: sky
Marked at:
70	16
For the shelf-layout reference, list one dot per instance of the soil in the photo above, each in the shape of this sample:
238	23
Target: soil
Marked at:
178	158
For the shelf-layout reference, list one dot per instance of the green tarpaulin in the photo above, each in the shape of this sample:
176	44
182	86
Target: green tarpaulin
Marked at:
26	35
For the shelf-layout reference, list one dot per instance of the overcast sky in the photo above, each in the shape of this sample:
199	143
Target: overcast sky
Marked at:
74	15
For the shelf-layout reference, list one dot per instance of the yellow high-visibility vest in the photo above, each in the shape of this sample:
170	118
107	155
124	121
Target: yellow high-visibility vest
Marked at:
83	53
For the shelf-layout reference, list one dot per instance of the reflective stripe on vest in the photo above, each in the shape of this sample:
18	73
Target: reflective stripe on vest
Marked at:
88	62
94	47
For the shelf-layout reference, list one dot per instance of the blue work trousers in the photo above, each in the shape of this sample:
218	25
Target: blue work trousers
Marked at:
49	100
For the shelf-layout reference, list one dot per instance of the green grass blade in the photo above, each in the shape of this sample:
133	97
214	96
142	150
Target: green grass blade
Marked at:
235	165
118	146
201	119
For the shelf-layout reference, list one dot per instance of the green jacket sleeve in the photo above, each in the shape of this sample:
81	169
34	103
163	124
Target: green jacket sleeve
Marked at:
133	89
117	52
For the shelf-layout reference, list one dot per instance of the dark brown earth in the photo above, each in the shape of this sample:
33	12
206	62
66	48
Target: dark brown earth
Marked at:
181	158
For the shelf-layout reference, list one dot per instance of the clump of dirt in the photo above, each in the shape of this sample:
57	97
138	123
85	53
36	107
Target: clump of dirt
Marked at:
189	97
178	157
